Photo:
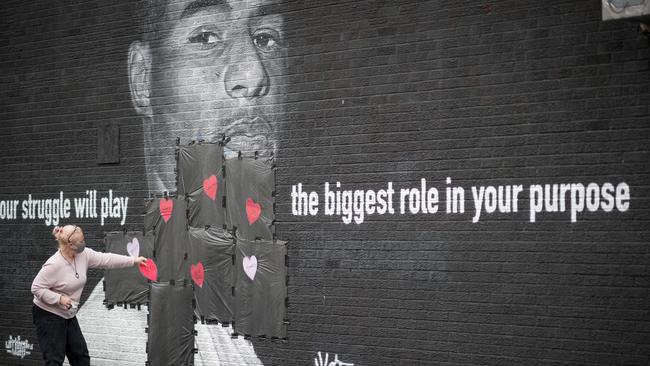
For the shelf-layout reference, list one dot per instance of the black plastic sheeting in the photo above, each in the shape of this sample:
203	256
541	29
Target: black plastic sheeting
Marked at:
260	288
167	219
250	185
200	178
202	270
171	325
127	285
211	253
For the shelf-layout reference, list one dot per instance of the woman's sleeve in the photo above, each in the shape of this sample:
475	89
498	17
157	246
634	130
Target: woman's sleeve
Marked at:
108	260
41	286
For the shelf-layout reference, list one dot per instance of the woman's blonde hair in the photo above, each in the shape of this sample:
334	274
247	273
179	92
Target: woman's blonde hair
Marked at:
63	237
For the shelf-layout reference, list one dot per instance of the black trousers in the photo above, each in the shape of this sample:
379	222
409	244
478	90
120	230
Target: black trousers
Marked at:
59	337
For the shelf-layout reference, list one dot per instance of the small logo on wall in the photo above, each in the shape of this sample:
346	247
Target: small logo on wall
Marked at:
18	347
320	361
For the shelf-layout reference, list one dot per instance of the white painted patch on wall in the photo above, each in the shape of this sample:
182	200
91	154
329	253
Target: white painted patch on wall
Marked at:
117	337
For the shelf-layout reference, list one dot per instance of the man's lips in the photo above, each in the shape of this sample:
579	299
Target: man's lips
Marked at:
247	126
244	133
249	135
250	143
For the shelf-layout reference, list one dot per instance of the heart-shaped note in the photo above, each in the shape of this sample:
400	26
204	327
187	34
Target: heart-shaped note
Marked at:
211	186
149	269
133	247
253	210
250	266
198	275
166	206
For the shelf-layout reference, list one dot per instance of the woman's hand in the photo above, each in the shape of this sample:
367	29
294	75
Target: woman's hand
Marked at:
140	260
65	301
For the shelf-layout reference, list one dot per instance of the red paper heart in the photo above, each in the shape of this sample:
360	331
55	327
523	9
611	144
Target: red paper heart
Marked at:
198	275
210	186
166	207
253	210
149	270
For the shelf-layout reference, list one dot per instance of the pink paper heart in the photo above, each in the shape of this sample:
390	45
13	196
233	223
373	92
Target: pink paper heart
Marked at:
250	266
198	274
149	270
133	247
253	210
166	206
211	186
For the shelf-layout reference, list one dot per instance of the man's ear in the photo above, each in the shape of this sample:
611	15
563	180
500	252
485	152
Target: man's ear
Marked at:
139	77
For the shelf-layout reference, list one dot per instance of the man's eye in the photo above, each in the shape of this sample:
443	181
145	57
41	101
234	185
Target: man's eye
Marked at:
206	39
266	40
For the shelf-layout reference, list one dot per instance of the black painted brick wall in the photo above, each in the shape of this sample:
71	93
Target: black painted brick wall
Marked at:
485	92
63	74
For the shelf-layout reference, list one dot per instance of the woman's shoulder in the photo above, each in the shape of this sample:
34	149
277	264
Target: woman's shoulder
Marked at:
88	253
53	259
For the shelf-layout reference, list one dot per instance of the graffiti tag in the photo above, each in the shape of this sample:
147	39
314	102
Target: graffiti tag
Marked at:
319	361
18	347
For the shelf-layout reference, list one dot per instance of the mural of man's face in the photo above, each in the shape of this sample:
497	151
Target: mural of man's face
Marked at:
209	68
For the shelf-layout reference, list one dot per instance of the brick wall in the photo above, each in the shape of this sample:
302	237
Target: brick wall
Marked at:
63	75
486	93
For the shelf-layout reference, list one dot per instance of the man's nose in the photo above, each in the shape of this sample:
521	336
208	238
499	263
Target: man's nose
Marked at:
245	75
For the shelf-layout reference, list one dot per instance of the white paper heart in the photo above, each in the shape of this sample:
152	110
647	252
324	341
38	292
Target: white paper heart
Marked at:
133	247
250	266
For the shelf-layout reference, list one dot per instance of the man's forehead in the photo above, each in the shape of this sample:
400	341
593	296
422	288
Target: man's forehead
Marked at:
178	9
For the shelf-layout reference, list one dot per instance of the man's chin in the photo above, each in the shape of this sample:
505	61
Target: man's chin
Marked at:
249	146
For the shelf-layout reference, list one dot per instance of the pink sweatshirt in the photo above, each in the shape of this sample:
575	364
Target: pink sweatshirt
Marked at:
57	277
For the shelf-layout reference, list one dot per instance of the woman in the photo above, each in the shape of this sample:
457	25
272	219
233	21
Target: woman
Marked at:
57	291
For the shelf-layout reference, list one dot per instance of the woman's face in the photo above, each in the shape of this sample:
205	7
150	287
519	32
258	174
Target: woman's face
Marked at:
73	237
